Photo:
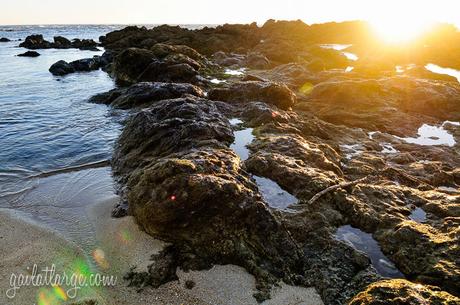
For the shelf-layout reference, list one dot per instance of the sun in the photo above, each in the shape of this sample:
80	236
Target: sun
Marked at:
399	30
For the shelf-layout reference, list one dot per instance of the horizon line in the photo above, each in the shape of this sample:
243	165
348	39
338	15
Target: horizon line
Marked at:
457	26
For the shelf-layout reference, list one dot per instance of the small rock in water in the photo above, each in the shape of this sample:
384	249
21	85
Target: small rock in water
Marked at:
3	39
29	54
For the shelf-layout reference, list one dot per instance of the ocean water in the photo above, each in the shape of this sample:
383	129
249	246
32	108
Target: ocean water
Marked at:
48	131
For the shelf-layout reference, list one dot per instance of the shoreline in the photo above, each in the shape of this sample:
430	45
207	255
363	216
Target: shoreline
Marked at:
220	285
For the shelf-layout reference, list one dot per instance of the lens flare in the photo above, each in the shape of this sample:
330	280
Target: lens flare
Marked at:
60	293
99	258
306	88
81	267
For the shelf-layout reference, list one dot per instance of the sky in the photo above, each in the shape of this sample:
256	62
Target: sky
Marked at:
217	11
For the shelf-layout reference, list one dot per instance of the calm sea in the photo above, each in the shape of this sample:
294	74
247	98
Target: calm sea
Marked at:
47	125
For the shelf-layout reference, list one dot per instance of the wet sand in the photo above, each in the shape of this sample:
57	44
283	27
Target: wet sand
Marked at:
121	245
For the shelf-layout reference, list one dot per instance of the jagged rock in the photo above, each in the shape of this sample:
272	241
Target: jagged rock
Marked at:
29	54
268	92
395	292
144	94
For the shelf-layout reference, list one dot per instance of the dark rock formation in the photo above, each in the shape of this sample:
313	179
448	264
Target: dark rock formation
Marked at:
144	94
35	42
62	67
198	196
29	54
181	166
138	65
395	292
62	43
268	92
318	128
3	39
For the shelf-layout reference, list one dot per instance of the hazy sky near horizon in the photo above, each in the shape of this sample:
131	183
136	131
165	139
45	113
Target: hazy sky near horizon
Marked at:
217	11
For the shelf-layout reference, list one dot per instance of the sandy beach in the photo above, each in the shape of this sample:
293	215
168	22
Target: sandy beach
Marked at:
123	245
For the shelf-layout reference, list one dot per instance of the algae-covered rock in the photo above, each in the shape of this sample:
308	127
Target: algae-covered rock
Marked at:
396	292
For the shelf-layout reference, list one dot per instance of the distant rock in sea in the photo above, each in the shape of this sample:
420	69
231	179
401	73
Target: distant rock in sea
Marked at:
3	39
29	54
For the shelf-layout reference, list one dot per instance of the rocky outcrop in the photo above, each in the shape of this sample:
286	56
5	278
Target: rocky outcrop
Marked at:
334	139
394	292
145	94
62	67
35	42
29	54
4	39
268	92
186	186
